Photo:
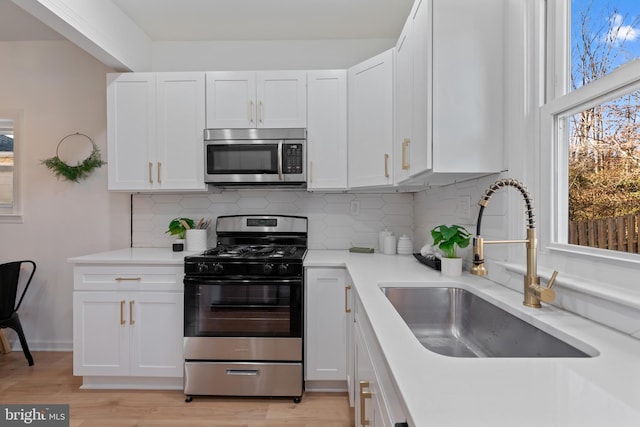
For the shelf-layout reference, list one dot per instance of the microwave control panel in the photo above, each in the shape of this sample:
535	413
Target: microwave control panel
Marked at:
293	158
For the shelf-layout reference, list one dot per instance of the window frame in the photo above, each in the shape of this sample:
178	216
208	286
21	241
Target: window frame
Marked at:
553	163
14	214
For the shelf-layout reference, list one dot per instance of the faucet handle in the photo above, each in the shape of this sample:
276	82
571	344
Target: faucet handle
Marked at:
547	294
552	280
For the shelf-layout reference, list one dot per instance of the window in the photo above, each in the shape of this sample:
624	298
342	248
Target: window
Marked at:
10	209
594	122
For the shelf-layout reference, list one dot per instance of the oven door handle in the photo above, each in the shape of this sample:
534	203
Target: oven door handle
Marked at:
205	280
243	372
280	161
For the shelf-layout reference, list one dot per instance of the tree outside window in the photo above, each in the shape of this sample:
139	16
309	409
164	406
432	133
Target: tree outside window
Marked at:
604	140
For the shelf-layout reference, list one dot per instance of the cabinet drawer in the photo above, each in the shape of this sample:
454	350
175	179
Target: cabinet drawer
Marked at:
128	277
243	379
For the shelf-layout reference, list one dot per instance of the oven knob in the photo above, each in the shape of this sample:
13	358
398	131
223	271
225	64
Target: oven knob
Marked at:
217	267
202	267
283	268
267	268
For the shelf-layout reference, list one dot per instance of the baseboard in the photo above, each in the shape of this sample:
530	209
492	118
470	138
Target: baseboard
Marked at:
329	386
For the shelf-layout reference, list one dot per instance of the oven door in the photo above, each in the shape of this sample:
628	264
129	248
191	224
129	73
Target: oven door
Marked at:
243	308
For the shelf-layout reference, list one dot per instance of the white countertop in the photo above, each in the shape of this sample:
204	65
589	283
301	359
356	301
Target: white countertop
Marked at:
447	391
162	256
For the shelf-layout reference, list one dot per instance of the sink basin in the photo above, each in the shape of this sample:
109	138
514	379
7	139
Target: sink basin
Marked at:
455	322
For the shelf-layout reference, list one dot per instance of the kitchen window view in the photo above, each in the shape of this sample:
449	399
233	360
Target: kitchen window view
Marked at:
601	133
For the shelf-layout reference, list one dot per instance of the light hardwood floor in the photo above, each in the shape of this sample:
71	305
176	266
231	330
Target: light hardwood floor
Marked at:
50	381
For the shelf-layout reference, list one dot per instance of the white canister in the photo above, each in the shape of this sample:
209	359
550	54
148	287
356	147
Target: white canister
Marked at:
381	236
196	240
405	245
390	245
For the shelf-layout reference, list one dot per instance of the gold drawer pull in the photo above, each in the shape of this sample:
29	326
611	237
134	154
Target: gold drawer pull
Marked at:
130	279
131	321
347	309
364	395
405	145
122	321
386	165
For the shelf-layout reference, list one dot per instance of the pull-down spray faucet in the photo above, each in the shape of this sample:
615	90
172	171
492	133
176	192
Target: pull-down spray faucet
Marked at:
533	292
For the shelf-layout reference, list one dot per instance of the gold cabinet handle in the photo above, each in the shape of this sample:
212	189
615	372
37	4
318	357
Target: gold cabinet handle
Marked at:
125	279
122	321
347	309
159	173
405	145
131	321
386	165
311	172
260	112
251	109
364	395
150	173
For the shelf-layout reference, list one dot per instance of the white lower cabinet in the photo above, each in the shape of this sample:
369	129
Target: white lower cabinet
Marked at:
326	313
127	326
377	404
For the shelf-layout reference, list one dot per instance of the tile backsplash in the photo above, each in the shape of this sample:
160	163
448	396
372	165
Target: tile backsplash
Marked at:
336	221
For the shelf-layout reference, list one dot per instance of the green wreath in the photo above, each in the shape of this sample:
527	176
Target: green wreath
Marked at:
81	170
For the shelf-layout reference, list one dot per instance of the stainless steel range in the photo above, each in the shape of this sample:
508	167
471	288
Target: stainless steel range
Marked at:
243	309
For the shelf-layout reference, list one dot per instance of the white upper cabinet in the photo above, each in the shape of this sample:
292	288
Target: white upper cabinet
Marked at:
449	95
250	99
468	86
371	121
327	130
154	131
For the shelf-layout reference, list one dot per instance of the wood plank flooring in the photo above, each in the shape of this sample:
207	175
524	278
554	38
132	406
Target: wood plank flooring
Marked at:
51	381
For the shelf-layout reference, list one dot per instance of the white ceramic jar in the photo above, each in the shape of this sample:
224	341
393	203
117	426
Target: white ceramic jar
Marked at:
405	245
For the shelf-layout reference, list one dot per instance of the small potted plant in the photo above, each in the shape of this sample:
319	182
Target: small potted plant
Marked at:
178	227
447	238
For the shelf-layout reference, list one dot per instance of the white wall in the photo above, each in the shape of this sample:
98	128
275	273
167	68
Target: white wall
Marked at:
61	90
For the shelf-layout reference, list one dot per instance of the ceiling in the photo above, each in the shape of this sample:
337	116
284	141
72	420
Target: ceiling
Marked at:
199	20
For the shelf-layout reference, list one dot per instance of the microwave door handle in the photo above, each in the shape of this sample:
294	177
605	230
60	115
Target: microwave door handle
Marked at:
280	161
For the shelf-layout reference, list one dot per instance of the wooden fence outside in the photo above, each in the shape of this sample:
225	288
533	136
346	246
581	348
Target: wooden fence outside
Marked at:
617	234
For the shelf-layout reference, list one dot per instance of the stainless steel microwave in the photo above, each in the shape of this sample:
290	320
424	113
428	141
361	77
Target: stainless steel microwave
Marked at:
256	157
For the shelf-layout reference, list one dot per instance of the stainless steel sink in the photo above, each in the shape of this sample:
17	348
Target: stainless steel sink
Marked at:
455	322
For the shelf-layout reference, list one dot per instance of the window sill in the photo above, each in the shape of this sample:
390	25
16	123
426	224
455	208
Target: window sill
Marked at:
606	291
11	219
621	259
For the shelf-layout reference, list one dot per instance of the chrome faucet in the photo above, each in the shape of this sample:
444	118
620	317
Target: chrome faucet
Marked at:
533	292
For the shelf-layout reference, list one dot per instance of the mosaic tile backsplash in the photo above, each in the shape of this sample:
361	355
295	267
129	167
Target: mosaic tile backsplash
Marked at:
336	221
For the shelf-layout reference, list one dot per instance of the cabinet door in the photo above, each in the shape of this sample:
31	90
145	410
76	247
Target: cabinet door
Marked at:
327	129
468	86
326	336
180	148
231	99
420	147
155	320
404	103
282	99
100	333
365	383
371	121
350	353
131	130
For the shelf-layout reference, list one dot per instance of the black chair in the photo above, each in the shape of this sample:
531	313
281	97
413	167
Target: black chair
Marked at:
9	280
